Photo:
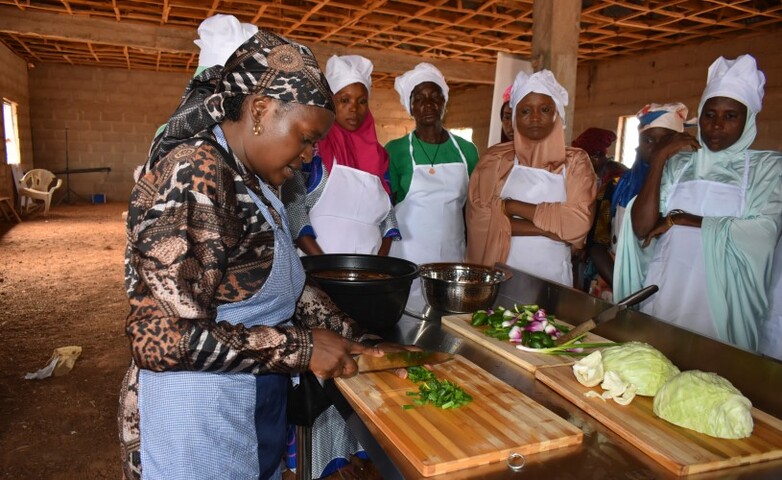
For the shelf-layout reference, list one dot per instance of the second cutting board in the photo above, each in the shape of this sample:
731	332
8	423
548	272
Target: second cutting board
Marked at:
500	419
529	361
680	450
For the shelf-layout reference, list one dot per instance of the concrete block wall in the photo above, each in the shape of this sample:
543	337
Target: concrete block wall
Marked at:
471	108
612	88
391	119
110	115
14	87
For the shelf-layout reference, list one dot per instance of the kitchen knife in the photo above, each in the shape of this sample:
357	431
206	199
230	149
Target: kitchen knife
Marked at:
609	313
368	363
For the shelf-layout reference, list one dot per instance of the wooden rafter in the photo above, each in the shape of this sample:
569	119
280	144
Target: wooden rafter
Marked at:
395	34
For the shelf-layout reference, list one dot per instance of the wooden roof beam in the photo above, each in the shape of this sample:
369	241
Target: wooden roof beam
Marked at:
147	37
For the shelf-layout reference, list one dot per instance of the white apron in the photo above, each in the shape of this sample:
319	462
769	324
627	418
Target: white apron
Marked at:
431	218
348	214
678	266
538	255
225	425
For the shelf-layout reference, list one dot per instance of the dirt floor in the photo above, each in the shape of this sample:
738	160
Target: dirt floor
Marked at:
61	283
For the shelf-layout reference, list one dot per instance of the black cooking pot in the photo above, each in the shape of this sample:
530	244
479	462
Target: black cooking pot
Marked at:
371	289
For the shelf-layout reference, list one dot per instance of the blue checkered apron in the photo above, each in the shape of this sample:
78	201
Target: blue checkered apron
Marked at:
199	425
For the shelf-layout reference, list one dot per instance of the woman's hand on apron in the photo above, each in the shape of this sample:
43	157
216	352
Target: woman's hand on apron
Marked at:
662	226
332	354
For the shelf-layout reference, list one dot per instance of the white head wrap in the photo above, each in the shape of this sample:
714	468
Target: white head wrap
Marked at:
348	69
672	116
220	36
539	82
738	79
423	72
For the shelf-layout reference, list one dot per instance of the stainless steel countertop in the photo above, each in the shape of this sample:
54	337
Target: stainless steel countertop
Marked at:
603	454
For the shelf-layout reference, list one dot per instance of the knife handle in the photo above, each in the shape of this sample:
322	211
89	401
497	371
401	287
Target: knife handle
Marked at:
576	331
638	296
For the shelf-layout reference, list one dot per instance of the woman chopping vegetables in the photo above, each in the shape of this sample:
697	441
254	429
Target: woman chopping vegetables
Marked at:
221	313
531	200
707	221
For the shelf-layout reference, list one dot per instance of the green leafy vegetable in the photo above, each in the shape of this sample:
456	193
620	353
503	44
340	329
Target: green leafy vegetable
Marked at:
641	365
530	328
706	403
440	393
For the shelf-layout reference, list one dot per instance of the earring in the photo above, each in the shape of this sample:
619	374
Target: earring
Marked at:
257	128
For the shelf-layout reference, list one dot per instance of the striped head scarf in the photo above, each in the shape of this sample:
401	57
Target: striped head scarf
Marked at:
266	64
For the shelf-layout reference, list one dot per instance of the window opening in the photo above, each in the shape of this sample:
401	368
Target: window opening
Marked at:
628	140
11	133
465	133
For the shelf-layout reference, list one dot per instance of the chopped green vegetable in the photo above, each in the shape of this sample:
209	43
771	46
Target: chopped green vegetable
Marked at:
440	393
706	403
480	318
640	364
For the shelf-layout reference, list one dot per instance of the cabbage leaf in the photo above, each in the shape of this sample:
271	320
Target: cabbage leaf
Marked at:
706	403
639	364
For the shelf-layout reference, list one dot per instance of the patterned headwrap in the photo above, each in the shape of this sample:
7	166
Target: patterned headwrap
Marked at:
672	116
266	64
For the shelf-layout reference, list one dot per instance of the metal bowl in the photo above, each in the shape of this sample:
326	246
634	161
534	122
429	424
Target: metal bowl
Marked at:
460	287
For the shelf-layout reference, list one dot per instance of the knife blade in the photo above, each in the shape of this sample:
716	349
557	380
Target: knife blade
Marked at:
609	313
368	363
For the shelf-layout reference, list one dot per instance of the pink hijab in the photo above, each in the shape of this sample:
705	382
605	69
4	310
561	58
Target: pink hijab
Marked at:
359	149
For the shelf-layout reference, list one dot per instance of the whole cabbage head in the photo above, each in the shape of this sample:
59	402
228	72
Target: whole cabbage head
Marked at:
641	365
706	403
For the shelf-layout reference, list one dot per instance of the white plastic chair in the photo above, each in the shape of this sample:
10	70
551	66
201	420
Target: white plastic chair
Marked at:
36	185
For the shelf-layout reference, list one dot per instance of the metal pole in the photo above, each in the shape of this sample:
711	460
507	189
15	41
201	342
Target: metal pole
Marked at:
303	453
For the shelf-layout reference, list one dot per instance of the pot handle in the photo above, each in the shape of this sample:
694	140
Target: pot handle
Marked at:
505	269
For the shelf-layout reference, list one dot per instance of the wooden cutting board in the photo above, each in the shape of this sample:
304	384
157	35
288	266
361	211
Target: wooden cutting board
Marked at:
498	421
529	361
680	450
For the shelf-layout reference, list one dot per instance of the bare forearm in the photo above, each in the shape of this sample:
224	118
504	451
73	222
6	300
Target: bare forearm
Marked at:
309	245
385	247
646	209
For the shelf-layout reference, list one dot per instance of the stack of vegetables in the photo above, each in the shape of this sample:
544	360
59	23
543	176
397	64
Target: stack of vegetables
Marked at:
530	328
701	401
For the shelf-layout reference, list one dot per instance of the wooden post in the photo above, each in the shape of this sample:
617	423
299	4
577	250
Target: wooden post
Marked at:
555	30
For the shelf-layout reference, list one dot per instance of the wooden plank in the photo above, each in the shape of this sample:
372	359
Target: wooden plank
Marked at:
526	360
153	38
680	450
498	421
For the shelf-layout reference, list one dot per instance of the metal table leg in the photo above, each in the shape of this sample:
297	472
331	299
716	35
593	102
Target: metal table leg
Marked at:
303	453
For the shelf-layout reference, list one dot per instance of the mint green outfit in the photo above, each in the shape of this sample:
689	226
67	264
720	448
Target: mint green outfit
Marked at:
737	250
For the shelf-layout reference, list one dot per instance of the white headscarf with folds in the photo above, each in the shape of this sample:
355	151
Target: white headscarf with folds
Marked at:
740	80
347	70
423	72
219	36
539	82
548	153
